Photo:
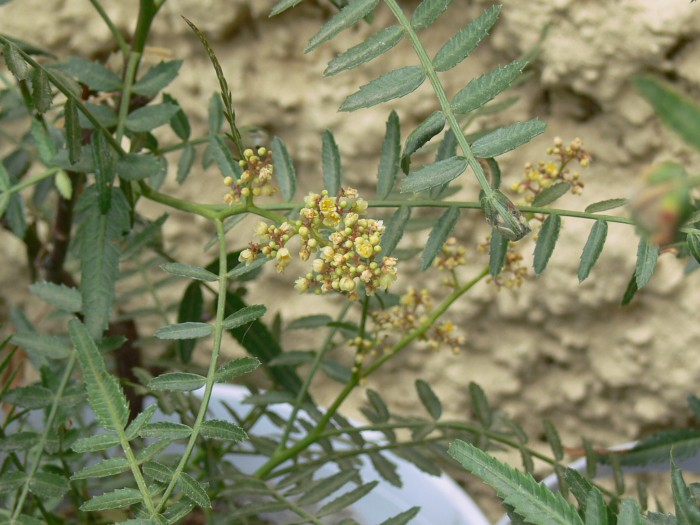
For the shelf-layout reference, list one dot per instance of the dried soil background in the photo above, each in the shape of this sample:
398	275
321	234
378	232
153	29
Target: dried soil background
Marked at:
554	349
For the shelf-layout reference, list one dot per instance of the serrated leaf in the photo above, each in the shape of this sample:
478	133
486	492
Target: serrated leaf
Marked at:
605	205
341	21
223	157
18	441
104	392
41	90
427	12
390	157
402	518
44	345
138	166
31	397
630	291
480	405
427	129
377	403
693	240
189	330
104	115
486	87
48	485
687	511
179	122
310	321
140	421
385	468
595	509
346	499
549	195
592	249
647	255
105	170
220	429
116	499
438	235
466	40
14	61
236	368
177	381
102	469
435	174
324	487
630	513
429	400
11	481
95	443
394	229
244	316
184	165
100	236
43	140
507	138
193	490
546	241
394	84
189	271
498	248
284	169
535	502
554	440
158	471
149	118
283	5
94	75
73	133
657	447
332	169
677	111
156	78
165	430
369	49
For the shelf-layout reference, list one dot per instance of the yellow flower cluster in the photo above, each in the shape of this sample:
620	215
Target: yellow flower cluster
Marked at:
347	247
451	255
538	177
256	179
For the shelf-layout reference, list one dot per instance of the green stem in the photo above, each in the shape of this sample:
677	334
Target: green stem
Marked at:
204	210
218	335
147	12
119	39
31	181
181	145
441	95
129	75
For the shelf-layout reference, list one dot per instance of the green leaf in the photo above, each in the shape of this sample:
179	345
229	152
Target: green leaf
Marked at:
184	166
116	499
275	397
156	78
554	440
592	249
179	122
385	468
18	441
693	240
100	237
104	392
429	399
341	21
244	269
283	5
657	447
687	511
102	469
165	430
73	133
332	169
427	12
605	205
95	443
63	185
41	90
480	405
189	271
647	254
535	502
41	344
11	481
92	74
284	169
244	316
15	63
546	241
390	157
236	368
138	166
158	471
377	403
104	115
507	138
630	513
48	485
293	358
177	381
189	330
193	490
220	429
105	170
439	234
346	499
486	87
551	194
369	49
435	174
394	229
394	84
678	112
466	40
140	421
190	310
223	157
630	292
420	136
498	248
32	397
596	513
57	295
149	118
310	321
44	141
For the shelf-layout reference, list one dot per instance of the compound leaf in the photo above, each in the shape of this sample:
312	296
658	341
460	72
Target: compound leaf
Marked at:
430	127
486	87
220	429
435	174
507	138
592	249
394	84
371	48
116	499
177	381
427	12
547	239
190	330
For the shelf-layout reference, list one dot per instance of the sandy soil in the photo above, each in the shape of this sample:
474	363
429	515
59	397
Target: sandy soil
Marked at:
554	349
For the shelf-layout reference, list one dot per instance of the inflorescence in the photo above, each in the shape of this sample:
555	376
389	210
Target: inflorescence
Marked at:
256	179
